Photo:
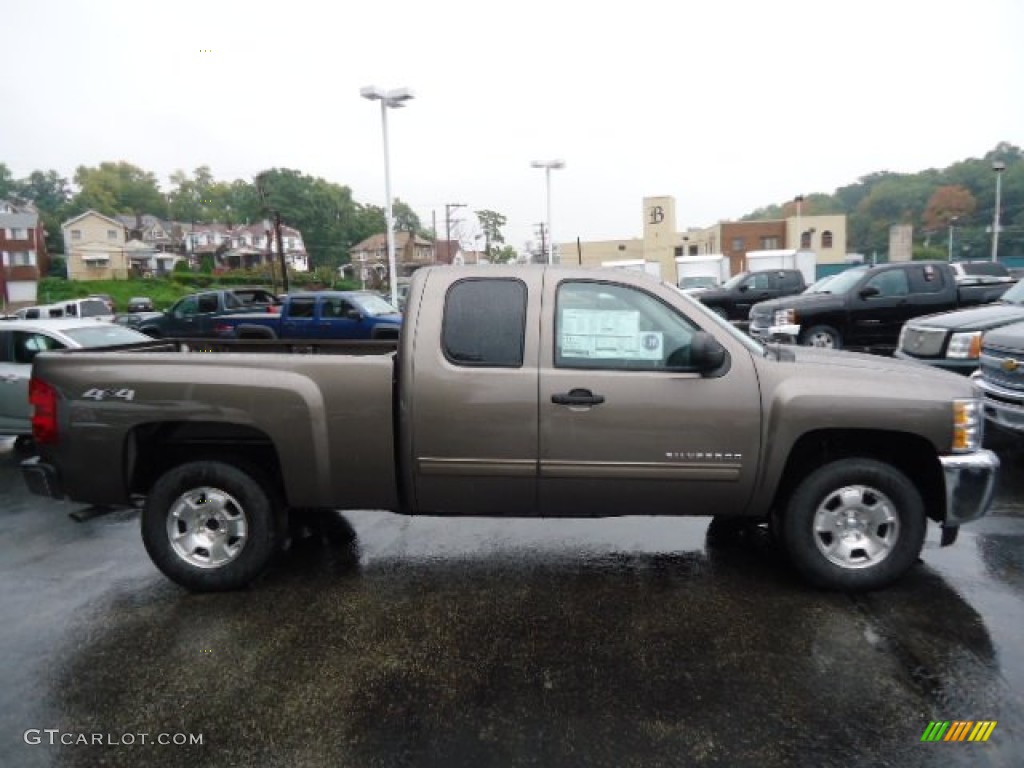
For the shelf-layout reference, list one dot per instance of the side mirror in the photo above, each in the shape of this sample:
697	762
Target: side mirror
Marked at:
706	353
743	287
868	291
353	314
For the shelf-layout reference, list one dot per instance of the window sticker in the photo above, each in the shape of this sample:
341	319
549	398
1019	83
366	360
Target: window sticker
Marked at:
603	334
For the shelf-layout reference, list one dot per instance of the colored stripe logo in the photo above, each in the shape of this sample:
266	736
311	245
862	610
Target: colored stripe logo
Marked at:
958	730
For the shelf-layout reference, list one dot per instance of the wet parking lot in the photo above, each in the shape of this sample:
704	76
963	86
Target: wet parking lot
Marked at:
467	642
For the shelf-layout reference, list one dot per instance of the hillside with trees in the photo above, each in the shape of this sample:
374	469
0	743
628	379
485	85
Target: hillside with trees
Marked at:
962	195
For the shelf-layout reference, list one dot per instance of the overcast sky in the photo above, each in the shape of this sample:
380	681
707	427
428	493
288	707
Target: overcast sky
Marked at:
726	105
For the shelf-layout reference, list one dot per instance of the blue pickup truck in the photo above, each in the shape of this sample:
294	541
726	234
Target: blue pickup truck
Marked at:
319	315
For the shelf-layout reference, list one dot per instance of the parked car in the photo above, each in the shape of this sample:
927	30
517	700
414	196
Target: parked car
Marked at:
737	295
94	308
952	340
1000	378
22	340
197	315
140	304
866	307
318	315
136	320
555	392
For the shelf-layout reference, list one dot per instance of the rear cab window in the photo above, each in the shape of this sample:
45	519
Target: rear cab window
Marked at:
484	323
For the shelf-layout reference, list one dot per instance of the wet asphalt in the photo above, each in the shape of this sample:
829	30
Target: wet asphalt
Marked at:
471	642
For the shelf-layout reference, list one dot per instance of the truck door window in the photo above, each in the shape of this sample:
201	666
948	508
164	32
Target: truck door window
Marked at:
207	302
599	325
301	307
186	307
485	323
890	283
925	278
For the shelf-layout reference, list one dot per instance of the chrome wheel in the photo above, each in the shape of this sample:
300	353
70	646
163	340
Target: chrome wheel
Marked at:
822	338
207	527
856	526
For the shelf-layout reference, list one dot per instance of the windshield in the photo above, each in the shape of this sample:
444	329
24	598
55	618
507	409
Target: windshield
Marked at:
754	346
105	335
92	308
698	282
1015	295
843	282
821	286
374	305
734	280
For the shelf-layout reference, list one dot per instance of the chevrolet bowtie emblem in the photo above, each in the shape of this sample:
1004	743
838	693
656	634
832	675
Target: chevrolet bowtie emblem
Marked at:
1010	365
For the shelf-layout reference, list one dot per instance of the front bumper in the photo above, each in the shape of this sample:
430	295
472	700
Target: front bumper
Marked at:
41	478
787	333
1003	407
970	482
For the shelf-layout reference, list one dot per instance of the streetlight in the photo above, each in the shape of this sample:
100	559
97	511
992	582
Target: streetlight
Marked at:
548	166
799	200
952	220
394	98
998	166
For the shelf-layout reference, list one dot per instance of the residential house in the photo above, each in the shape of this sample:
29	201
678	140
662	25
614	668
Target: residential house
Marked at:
246	246
23	255
411	252
154	232
94	246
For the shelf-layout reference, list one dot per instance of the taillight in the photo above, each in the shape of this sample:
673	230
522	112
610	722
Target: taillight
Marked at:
273	309
222	329
43	398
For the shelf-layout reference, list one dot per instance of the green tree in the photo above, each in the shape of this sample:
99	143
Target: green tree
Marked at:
491	222
113	188
8	186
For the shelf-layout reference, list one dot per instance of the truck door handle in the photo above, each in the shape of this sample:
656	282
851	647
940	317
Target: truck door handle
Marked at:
578	397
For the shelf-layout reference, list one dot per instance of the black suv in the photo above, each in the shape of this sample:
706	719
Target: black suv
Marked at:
737	295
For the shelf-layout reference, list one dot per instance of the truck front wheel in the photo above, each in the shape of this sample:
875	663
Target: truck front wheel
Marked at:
821	336
854	524
210	526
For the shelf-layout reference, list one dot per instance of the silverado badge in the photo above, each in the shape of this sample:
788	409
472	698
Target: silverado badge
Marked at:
1010	365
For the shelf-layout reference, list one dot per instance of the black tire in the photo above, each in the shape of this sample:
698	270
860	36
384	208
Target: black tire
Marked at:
823	336
854	524
240	525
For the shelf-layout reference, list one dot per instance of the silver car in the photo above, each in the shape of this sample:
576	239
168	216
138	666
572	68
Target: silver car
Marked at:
21	340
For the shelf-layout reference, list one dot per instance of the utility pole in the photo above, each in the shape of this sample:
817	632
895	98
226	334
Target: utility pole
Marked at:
261	189
448	207
542	229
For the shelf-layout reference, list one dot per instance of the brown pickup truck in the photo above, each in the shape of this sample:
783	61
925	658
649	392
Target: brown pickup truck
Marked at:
520	391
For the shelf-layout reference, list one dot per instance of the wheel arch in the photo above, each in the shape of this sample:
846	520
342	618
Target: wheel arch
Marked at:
155	448
912	454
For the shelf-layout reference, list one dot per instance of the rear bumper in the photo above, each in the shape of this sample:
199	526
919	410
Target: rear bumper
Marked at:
41	478
970	482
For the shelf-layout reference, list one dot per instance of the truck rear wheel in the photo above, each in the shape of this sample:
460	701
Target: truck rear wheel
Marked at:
210	526
854	524
824	336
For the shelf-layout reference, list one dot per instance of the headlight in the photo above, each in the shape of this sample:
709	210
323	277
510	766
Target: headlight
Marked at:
968	424
965	346
785	317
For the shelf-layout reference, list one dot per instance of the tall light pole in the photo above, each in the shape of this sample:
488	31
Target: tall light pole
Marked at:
394	98
548	166
998	166
799	200
952	221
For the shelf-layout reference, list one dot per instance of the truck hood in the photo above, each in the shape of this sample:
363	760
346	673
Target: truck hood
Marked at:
840	359
805	301
1008	337
974	319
